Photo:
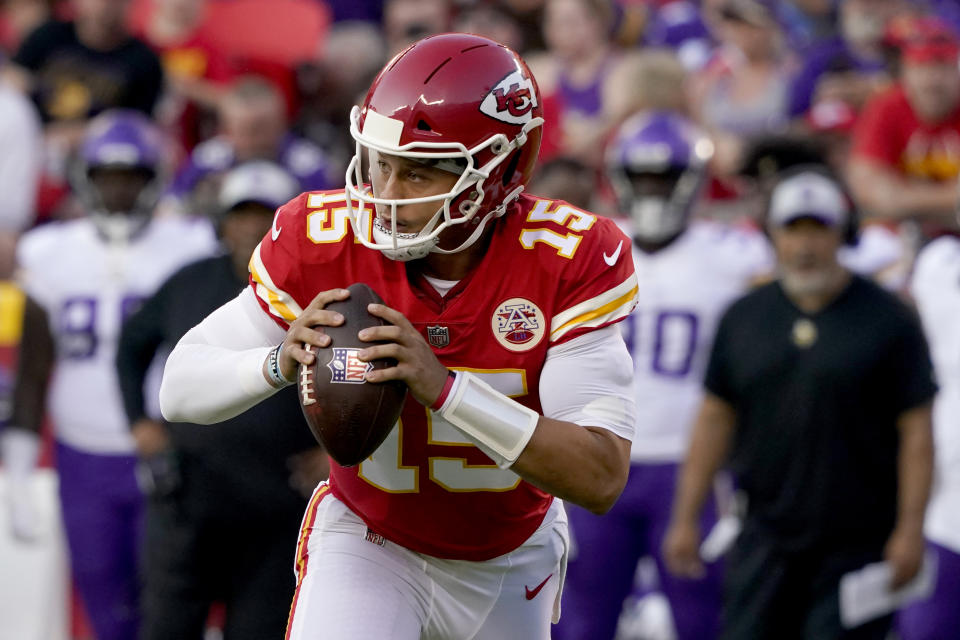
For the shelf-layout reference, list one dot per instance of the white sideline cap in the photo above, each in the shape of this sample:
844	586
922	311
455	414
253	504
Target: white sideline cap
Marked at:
808	195
259	181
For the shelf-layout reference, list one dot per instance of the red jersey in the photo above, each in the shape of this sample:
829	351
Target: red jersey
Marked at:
889	132
551	272
192	59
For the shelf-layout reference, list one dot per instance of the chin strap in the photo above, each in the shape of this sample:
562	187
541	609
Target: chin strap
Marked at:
481	225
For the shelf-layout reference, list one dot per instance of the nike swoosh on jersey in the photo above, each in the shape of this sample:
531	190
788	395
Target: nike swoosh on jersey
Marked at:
612	259
275	230
532	593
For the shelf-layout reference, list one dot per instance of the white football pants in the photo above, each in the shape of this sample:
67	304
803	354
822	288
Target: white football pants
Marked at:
354	588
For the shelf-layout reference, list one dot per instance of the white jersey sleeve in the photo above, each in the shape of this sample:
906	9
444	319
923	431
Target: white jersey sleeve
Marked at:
35	249
215	371
936	289
606	400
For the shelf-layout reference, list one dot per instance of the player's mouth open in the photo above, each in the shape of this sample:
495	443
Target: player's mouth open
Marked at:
403	228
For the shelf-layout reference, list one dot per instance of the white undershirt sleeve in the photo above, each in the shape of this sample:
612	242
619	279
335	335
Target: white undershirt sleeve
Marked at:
589	381
216	370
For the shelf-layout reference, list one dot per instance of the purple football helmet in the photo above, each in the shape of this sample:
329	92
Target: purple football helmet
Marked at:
119	175
657	165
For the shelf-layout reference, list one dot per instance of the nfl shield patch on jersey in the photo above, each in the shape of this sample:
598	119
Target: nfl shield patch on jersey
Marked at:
438	336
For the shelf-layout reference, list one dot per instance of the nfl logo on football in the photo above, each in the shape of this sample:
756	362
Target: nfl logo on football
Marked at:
438	336
347	367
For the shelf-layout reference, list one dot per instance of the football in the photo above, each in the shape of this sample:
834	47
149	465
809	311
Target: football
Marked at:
349	416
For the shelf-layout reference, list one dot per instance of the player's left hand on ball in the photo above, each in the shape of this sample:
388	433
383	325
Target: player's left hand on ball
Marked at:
417	365
307	330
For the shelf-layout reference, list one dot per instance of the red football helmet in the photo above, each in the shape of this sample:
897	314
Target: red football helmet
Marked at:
463	103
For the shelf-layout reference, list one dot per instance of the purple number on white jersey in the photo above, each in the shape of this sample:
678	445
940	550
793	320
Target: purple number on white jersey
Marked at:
675	341
675	335
78	335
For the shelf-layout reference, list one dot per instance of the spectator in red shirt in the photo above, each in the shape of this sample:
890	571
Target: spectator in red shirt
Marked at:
196	71
905	156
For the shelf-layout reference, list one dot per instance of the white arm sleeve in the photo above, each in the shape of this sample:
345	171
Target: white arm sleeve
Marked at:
589	380
216	370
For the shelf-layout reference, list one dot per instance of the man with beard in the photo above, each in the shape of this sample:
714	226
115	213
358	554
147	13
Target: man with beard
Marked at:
818	395
905	156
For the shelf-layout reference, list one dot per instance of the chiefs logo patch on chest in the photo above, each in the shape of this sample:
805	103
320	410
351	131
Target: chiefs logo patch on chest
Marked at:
518	324
512	100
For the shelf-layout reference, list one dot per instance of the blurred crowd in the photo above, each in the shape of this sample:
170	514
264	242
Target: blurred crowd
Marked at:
773	82
868	88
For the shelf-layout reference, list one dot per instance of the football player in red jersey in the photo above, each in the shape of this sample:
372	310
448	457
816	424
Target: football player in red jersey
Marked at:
501	308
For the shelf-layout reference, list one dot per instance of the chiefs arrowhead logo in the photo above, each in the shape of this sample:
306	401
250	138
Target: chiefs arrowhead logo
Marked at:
516	100
512	100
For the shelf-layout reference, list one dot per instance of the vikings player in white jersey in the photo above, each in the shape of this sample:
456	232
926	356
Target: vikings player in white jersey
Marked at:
82	278
687	273
936	289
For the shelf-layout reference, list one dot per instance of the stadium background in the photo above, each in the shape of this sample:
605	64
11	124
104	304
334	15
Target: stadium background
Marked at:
770	80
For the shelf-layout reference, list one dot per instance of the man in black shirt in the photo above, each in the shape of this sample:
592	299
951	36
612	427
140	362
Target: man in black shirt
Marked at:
76	69
819	389
222	514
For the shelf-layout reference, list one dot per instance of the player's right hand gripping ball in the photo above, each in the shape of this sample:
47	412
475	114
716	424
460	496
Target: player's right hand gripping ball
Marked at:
348	415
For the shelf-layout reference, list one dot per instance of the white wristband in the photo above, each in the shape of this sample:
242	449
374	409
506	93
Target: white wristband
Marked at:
277	378
500	426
